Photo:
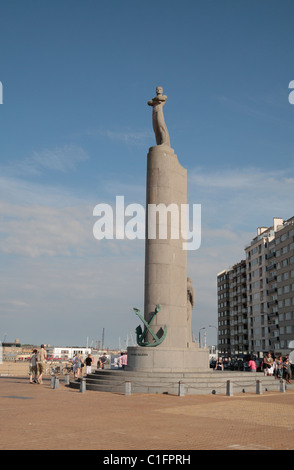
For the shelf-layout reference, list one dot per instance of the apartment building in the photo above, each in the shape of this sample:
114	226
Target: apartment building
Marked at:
269	284
283	330
232	311
260	270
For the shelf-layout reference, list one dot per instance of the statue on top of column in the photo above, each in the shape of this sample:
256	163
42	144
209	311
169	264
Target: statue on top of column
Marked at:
159	126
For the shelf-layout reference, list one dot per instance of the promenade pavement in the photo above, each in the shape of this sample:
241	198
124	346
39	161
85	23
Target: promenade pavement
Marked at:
39	417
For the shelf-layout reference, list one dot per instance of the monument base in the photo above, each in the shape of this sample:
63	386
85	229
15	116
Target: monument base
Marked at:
160	359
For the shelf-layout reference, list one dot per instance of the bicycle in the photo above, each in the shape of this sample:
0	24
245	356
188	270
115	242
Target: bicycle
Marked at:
67	369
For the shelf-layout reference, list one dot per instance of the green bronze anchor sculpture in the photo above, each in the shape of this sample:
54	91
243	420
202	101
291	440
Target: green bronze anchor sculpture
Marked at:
141	335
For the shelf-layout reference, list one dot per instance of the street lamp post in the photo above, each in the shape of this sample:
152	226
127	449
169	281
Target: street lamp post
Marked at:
203	328
216	346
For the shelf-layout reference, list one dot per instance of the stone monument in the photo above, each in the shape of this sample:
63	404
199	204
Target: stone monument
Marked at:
165	343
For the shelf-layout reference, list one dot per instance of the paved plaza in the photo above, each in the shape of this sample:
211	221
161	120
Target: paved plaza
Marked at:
39	417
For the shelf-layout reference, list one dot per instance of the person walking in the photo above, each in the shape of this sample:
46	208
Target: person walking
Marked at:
33	367
75	363
42	356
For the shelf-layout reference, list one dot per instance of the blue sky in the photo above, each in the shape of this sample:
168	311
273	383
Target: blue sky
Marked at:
75	131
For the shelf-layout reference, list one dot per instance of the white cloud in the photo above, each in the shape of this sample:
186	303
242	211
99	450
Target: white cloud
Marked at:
37	230
243	198
127	136
60	159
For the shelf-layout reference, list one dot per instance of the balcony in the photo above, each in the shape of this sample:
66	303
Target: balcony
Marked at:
272	290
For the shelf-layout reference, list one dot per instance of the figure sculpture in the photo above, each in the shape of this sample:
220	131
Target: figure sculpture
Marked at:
190	305
159	126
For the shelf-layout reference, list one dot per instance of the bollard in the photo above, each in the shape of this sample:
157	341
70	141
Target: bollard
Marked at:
56	382
229	389
258	387
282	386
66	379
128	388
181	389
83	385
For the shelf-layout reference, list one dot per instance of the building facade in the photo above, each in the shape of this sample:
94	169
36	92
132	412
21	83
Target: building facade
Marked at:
263	287
232	311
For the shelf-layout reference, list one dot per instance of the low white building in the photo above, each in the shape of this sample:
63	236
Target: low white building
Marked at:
67	353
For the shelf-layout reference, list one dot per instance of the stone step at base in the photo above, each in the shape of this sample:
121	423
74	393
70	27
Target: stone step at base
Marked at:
193	383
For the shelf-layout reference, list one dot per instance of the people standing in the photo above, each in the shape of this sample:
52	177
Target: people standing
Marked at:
268	364
287	370
219	365
123	360
33	367
252	365
42	356
88	362
103	360
280	367
75	365
80	365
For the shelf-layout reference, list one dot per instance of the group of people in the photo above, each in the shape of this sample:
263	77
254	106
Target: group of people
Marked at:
38	358
78	365
278	366
37	365
121	362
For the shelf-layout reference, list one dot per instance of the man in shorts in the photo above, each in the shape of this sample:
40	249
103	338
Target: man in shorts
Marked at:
42	356
88	362
33	367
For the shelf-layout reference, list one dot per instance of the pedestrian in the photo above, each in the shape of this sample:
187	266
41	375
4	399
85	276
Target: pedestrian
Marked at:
33	367
42	357
88	363
81	365
252	365
287	370
268	364
275	367
123	360
279	367
75	364
219	365
103	360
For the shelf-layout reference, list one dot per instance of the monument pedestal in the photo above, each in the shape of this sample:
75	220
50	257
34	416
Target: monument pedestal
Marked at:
165	259
166	282
161	359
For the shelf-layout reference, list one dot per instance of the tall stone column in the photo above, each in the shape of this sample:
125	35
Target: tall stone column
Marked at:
165	259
